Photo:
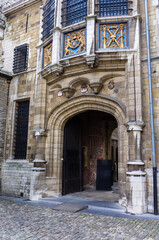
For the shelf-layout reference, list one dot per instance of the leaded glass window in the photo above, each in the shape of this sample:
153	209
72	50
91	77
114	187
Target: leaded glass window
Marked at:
112	7
48	18
73	11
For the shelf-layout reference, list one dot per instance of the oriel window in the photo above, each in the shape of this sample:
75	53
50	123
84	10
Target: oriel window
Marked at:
112	7
73	11
21	129
48	18
20	63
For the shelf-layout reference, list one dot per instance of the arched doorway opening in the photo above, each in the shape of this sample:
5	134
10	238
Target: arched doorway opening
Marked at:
90	147
56	123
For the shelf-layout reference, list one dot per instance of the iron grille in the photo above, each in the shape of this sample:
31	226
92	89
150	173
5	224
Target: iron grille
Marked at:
20	63
48	19
112	7
73	11
21	129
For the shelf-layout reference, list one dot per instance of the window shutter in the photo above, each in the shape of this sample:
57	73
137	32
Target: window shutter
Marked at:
20	63
21	129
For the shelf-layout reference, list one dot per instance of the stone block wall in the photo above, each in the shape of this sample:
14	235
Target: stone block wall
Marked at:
153	8
16	176
17	173
3	111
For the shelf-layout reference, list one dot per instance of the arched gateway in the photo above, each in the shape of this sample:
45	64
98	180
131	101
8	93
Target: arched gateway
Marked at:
56	122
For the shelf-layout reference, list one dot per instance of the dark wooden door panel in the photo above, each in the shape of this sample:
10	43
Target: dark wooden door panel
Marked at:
72	172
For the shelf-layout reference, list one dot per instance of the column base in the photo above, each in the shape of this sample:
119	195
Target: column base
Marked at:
38	183
136	192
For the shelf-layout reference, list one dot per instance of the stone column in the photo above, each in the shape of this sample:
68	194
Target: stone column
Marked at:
135	176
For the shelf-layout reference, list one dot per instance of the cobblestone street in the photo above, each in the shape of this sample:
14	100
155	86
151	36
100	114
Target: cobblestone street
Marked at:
22	221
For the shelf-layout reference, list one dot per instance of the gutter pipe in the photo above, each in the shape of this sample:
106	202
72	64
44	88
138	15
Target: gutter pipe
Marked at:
151	111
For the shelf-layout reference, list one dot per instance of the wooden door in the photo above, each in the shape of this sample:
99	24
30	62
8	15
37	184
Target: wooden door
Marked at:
72	165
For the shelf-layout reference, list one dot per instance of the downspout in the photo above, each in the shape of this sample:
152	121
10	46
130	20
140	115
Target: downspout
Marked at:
151	111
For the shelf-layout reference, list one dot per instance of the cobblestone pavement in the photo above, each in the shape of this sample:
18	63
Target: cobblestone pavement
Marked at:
21	221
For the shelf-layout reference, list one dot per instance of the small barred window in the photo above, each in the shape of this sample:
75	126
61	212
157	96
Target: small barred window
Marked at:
20	63
21	129
73	11
112	7
48	18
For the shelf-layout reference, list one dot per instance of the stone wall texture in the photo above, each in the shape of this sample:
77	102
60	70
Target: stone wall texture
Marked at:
146	138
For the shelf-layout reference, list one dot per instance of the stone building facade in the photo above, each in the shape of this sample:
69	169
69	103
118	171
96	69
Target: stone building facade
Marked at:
79	98
5	78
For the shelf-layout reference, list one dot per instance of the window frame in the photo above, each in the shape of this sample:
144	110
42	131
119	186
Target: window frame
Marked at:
48	16
113	9
64	16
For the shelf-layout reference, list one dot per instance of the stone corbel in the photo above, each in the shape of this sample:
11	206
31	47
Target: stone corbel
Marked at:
91	60
57	69
96	87
65	62
40	132
69	92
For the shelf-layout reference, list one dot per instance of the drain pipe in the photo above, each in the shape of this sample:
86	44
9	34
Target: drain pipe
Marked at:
151	111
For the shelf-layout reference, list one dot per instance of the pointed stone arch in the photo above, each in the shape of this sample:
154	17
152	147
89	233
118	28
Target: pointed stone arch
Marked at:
57	120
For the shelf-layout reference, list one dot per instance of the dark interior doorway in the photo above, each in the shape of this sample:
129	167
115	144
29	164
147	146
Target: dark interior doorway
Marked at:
87	141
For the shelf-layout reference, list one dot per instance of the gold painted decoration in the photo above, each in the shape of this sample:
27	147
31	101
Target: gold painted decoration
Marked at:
47	57
113	35
75	42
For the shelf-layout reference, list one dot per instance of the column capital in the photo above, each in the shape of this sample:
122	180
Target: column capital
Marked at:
90	17
135	126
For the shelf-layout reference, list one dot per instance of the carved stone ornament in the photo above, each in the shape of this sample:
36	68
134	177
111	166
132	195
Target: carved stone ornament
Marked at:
91	60
40	132
96	87
60	93
84	88
69	92
47	56
111	84
113	35
57	69
75	42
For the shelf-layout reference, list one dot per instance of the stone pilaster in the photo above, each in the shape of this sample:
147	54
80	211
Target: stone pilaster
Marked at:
37	186
91	57
135	176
